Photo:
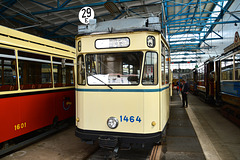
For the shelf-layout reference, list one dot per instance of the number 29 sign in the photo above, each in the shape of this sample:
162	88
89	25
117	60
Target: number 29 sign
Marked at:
85	14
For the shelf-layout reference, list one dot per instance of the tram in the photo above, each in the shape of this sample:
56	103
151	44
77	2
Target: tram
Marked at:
218	80
36	83
192	80
122	91
227	80
204	80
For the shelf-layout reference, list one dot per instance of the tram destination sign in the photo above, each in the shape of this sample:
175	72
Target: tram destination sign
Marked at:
122	42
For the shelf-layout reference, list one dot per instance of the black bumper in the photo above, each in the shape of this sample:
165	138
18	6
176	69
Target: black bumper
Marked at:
112	139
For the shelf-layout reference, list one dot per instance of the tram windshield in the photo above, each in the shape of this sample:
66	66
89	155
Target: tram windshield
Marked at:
114	68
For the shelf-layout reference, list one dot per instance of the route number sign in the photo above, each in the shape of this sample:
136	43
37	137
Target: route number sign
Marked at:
85	14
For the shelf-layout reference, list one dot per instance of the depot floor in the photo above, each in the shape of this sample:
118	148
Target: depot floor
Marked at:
218	137
60	146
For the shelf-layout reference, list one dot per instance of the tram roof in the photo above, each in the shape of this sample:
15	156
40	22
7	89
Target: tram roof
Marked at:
121	25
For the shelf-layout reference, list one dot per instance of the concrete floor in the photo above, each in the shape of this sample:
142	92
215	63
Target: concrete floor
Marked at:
181	142
219	137
63	145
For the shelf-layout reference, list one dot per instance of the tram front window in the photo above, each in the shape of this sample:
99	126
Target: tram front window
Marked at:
114	68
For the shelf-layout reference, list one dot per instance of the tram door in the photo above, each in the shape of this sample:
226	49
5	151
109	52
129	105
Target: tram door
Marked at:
217	81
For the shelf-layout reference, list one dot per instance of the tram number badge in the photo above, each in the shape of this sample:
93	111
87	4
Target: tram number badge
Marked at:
131	119
85	14
66	103
20	126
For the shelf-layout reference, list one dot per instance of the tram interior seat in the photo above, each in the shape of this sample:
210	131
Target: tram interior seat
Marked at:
35	86
8	87
133	79
59	85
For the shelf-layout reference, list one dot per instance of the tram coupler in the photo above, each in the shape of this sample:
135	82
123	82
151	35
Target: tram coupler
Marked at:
108	142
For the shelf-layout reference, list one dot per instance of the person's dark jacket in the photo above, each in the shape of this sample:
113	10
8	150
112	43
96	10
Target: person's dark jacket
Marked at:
185	88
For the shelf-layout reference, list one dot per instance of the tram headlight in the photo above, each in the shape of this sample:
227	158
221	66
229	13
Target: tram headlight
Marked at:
112	122
151	41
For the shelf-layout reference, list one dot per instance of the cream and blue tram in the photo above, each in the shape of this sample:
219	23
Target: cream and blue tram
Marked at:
122	91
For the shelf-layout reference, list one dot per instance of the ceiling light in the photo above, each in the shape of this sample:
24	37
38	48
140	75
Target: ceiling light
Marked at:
112	7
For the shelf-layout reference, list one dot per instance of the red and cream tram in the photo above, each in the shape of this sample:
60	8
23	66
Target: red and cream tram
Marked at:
36	83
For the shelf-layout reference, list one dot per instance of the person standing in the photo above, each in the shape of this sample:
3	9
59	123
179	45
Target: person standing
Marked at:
177	87
184	91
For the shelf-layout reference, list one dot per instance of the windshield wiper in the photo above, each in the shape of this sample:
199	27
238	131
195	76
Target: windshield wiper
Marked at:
100	80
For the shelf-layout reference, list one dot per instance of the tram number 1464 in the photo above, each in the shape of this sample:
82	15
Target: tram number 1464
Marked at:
20	126
130	119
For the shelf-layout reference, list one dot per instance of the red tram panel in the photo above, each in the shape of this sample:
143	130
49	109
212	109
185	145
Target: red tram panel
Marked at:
23	114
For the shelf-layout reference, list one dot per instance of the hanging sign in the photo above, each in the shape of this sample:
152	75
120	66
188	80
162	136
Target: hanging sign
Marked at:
85	14
236	38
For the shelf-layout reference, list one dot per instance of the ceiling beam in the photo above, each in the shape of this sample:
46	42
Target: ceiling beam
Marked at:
186	54
42	4
189	57
225	9
187	32
185	4
193	40
190	13
177	62
220	16
79	6
5	7
176	15
204	24
185	45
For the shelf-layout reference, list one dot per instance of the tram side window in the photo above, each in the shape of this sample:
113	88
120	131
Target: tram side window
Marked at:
8	76
201	76
227	68
63	72
163	69
167	66
237	67
150	71
34	71
81	70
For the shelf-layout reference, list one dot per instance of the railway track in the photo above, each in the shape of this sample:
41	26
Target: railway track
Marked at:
154	153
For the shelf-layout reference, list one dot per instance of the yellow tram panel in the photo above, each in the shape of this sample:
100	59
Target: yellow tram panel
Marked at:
142	104
137	42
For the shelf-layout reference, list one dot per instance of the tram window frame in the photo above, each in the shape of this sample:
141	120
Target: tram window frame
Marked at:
226	72
95	68
81	70
163	69
64	76
8	55
237	64
200	74
155	70
31	67
167	56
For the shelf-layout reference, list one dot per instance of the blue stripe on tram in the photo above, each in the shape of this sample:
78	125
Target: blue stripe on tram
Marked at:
122	90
